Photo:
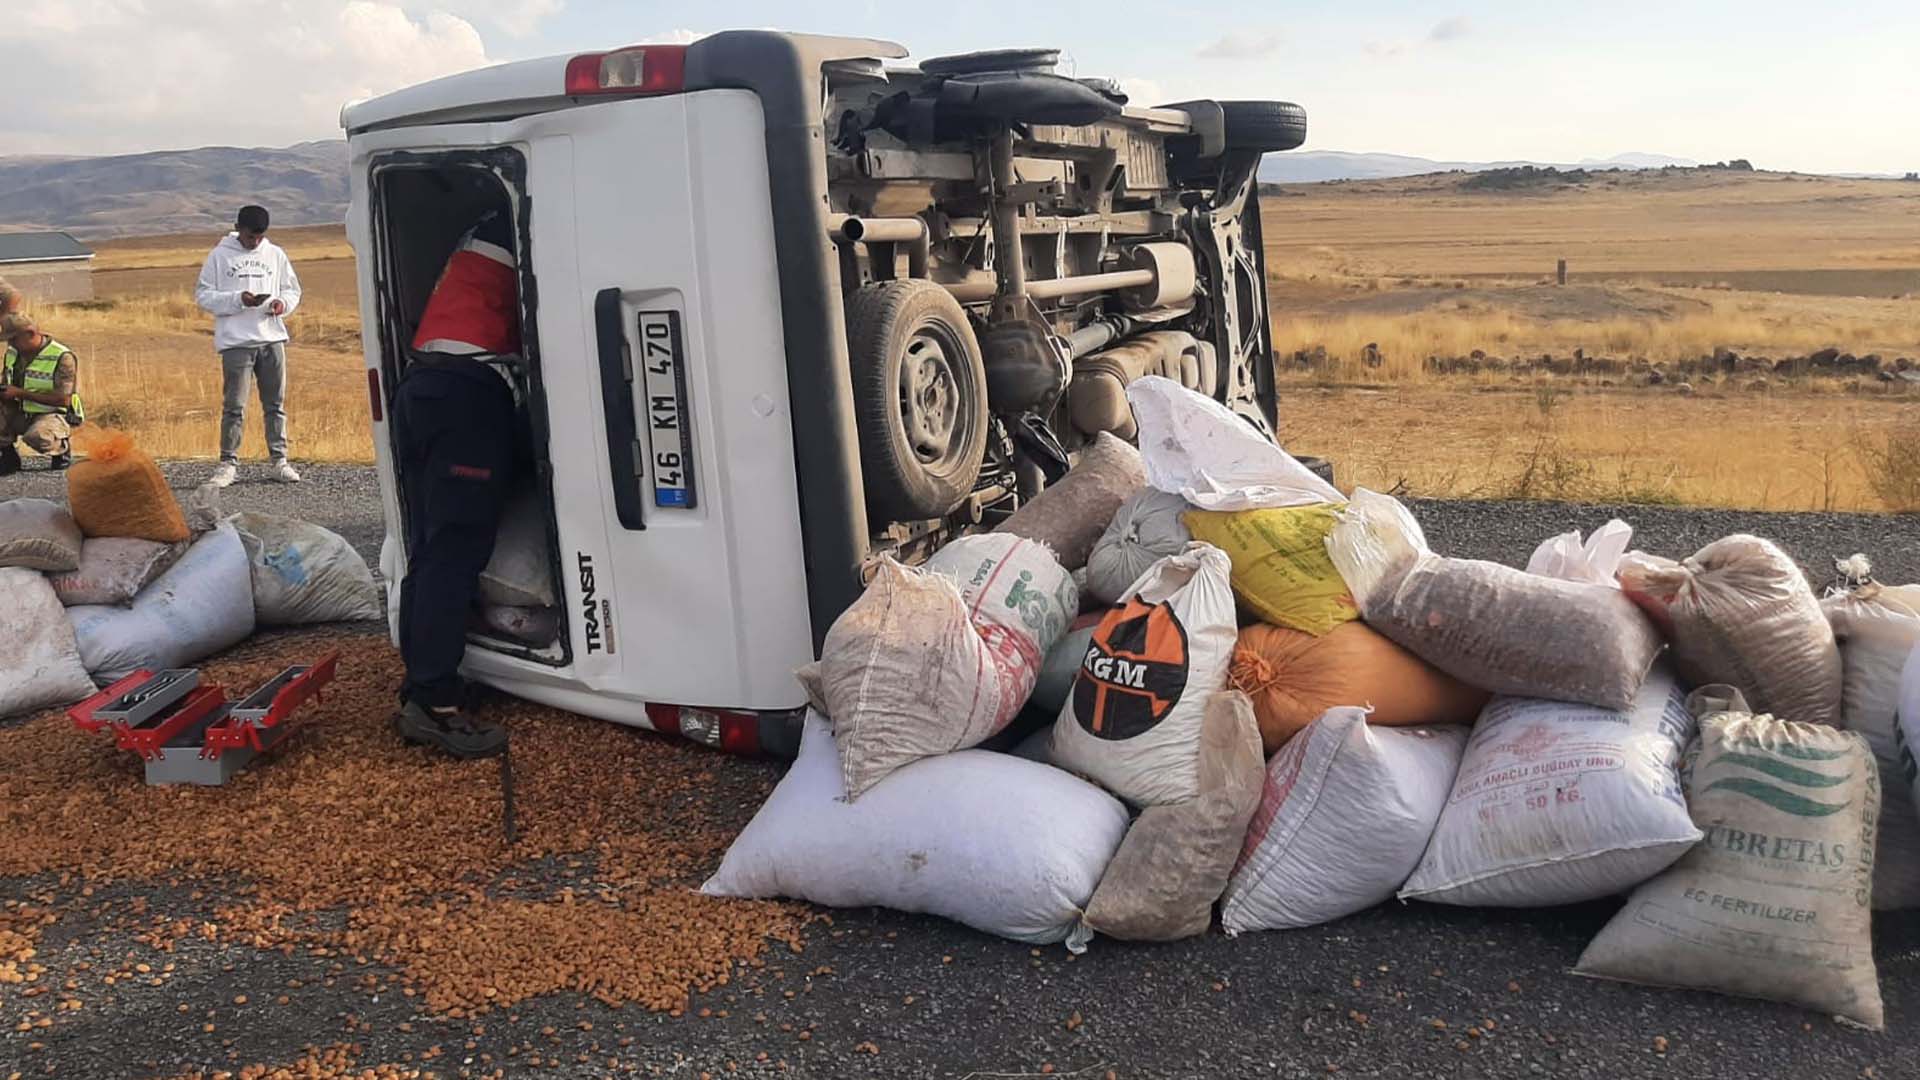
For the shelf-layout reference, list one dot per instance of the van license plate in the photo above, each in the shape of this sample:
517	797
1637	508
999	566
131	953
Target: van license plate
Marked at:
665	384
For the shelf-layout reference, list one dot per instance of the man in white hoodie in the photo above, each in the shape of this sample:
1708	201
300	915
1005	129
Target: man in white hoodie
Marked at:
249	288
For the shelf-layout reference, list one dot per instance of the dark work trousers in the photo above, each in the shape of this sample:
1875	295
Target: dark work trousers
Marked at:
454	430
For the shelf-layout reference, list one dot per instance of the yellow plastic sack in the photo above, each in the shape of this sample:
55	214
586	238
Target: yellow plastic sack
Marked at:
1281	571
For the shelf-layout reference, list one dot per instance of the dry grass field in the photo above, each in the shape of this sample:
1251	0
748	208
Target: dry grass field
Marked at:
1665	267
147	359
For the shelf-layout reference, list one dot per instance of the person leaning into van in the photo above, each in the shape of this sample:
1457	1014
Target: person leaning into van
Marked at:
455	433
249	287
39	404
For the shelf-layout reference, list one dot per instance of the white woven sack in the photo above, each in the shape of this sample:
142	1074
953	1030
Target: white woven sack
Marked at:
1907	710
1558	803
1346	812
43	663
1593	561
998	843
1148	528
202	604
113	570
1877	627
1133	721
520	571
38	534
1197	448
303	573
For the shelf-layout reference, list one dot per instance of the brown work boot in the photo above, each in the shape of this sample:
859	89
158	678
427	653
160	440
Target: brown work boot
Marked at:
454	732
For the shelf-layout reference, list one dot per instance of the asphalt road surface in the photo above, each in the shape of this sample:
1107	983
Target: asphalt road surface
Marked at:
1388	993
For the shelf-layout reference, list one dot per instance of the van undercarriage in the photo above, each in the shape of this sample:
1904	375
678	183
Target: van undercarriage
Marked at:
1077	243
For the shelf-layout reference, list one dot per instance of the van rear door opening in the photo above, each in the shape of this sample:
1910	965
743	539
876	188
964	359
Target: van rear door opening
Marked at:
423	207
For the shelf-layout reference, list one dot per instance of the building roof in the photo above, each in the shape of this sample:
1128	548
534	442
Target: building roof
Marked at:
16	247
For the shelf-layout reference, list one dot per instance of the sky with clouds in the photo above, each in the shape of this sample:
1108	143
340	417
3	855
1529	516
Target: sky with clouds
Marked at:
1785	85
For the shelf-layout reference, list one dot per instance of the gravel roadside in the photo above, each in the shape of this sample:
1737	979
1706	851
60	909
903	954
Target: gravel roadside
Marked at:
1389	993
346	499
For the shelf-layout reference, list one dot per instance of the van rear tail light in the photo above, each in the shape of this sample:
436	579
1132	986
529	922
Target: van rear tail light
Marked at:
373	395
749	734
643	69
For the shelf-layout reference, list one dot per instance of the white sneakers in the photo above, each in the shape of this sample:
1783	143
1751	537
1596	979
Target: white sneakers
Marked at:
281	471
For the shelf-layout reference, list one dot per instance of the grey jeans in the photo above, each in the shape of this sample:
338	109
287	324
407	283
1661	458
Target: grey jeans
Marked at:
266	365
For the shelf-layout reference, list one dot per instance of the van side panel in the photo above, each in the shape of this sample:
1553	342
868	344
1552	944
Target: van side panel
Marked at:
665	202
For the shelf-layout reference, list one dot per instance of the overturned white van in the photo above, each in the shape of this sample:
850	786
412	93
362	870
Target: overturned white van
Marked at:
786	304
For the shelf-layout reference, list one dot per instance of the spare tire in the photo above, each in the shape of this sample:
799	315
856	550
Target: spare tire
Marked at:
920	398
1264	125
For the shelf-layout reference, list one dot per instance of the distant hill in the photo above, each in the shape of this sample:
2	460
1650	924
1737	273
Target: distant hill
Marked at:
174	191
1310	166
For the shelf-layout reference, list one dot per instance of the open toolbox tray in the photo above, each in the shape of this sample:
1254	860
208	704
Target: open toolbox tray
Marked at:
187	733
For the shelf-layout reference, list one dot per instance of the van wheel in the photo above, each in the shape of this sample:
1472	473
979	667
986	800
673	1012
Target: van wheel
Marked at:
1264	125
920	398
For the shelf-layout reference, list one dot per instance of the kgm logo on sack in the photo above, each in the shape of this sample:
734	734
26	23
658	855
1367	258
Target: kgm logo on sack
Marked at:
1134	672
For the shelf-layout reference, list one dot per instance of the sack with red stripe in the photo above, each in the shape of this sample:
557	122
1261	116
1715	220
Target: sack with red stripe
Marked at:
475	306
939	659
1133	721
1345	816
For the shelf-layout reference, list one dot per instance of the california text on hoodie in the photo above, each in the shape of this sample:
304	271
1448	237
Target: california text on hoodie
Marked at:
230	270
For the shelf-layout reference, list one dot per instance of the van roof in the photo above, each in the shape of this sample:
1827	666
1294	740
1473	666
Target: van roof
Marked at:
528	86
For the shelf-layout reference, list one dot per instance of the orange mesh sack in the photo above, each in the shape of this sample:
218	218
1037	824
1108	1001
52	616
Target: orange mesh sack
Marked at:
1294	677
118	491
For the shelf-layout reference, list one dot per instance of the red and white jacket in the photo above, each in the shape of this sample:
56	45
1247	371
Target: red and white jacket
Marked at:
475	306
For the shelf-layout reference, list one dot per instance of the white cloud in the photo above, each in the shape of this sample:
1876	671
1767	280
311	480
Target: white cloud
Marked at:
1385	50
517	17
1451	29
233	72
670	37
1240	47
1142	91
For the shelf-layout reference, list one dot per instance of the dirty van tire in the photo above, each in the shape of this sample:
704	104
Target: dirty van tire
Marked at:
1264	125
920	398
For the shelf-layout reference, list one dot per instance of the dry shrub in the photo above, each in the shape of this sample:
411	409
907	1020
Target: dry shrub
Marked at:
1456	327
1892	462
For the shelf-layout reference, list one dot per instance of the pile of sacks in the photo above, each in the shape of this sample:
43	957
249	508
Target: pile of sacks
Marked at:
122	579
1370	719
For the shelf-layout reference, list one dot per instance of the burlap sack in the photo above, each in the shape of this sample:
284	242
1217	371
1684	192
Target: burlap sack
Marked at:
924	663
1489	625
1176	859
1775	902
117	490
1070	516
36	534
1740	612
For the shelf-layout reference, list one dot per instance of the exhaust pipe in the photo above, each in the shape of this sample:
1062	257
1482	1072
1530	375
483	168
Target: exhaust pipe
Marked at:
880	234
